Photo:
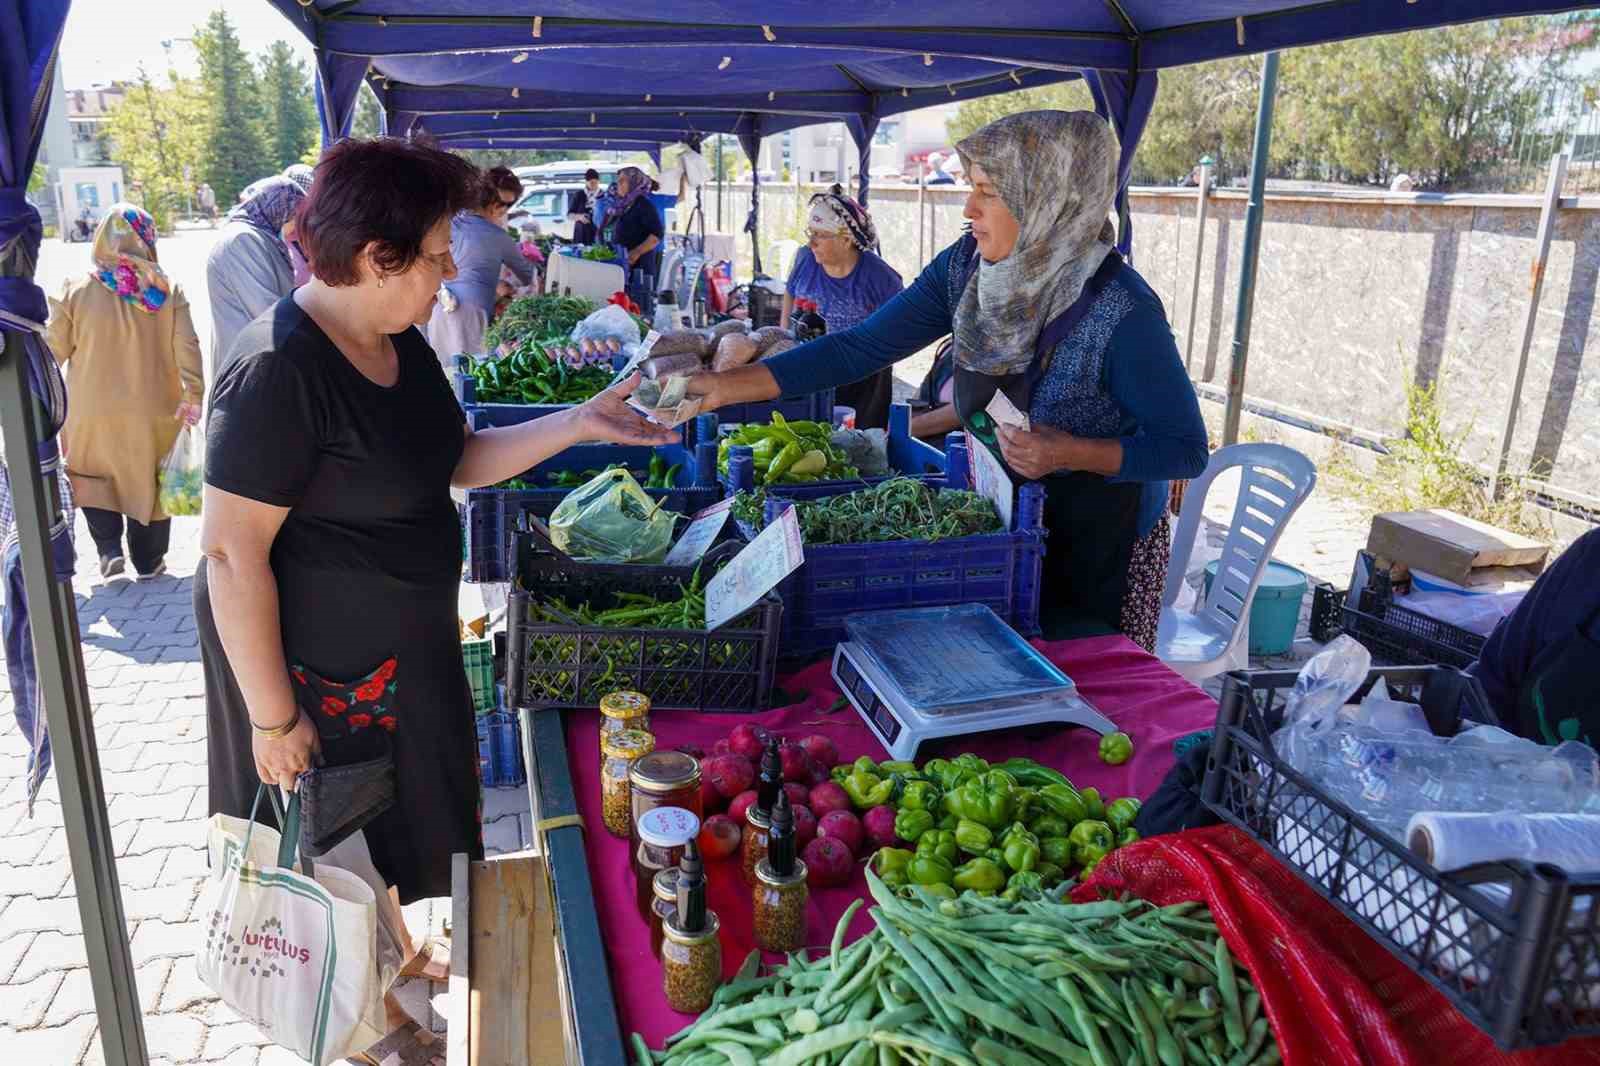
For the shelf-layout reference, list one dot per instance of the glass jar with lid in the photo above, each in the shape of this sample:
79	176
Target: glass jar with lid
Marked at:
663	905
619	751
623	710
664	779
662	832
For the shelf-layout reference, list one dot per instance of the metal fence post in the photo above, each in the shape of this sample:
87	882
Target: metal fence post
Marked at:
1199	249
53	618
1547	225
1252	251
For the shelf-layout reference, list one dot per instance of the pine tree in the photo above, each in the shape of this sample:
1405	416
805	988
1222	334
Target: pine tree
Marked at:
235	151
286	91
368	112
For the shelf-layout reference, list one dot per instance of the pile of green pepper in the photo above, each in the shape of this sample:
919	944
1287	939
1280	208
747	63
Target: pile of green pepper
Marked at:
789	453
1007	828
531	375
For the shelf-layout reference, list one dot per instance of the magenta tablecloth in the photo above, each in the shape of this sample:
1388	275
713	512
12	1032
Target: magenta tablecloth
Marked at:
1131	687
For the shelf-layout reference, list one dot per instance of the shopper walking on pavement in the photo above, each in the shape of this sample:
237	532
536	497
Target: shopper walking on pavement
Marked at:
250	267
134	375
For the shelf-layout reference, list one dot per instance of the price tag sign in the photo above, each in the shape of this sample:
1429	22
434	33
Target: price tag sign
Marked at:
764	562
700	535
990	479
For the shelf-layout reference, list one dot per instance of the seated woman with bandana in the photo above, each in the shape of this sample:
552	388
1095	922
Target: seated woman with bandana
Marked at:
839	271
1042	309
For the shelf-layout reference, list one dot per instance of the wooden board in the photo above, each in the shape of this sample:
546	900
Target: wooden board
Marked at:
513	1013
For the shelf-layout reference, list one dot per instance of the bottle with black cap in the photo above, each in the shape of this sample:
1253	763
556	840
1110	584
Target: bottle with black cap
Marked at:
691	954
781	892
758	819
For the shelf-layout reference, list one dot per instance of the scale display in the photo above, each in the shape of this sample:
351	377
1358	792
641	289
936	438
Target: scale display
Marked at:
950	671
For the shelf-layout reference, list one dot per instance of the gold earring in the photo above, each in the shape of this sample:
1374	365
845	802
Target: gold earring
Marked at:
380	281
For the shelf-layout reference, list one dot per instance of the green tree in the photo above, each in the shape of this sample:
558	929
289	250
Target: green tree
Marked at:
368	120
156	134
38	178
291	115
1200	110
235	150
976	114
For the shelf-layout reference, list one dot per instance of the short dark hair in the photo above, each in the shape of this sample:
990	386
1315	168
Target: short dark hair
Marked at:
591	173
387	192
497	180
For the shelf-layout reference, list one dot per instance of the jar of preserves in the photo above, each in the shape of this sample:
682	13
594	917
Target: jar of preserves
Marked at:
663	905
664	779
662	834
619	751
623	710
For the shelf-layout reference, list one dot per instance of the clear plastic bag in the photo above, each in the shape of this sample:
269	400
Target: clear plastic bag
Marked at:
609	323
611	519
183	474
868	450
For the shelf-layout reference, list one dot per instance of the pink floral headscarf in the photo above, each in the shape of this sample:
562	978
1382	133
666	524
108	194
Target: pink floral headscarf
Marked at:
125	258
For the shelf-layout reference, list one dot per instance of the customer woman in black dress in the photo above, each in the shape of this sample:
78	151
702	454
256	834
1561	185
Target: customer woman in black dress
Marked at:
326	600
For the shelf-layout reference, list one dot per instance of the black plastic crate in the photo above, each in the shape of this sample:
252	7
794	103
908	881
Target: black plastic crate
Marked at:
1525	971
1401	636
1326	612
727	670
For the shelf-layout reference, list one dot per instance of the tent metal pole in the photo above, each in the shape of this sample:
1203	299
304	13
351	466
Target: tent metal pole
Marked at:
1199	251
1252	250
922	217
64	691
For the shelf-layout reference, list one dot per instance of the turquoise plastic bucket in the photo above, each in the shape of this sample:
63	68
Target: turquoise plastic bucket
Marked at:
1275	612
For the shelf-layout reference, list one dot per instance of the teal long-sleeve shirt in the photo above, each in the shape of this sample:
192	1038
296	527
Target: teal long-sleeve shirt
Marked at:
1162	434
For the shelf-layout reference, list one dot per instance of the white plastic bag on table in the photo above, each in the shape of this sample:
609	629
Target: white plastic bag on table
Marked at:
609	323
183	473
295	954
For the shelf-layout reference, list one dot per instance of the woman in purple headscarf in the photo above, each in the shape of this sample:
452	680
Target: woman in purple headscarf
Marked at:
632	222
254	263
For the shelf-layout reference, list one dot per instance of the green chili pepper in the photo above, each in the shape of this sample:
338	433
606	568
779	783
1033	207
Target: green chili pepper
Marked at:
897	768
780	464
1116	748
1027	772
1120	813
911	824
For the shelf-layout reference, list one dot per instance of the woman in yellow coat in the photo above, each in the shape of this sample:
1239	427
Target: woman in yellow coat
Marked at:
134	377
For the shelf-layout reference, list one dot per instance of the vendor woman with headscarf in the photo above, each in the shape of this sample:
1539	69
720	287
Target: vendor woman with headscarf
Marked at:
840	271
632	221
1042	309
253	264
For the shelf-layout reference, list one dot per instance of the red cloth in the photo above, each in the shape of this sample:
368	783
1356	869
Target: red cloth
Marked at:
1334	995
1132	688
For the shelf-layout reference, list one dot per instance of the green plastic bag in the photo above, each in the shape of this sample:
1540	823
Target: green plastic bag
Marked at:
182	476
612	520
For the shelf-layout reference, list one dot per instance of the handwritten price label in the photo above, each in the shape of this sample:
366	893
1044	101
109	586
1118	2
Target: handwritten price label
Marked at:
764	562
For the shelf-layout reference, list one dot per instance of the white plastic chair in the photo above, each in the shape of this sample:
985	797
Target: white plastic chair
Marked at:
1274	482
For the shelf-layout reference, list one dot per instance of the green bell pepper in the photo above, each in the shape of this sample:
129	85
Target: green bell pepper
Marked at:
1049	825
1094	805
999	781
1021	850
943	773
996	856
1056	851
939	842
1064	802
1027	802
1128	836
942	891
1023	885
840	772
972	764
920	796
1120	813
909	824
1049	872
865	765
867	790
929	870
897	768
993	807
1116	748
891	864
1091	841
979	875
949	822
973	838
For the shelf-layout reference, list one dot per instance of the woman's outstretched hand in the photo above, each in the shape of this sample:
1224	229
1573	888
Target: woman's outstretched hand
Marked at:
607	417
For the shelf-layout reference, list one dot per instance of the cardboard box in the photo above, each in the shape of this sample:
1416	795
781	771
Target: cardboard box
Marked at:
1450	545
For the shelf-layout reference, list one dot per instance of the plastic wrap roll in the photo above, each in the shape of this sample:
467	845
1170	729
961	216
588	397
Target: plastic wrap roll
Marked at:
1450	840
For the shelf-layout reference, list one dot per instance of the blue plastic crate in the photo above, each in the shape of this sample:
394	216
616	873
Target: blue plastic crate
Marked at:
500	762
908	457
1002	570
813	407
489	515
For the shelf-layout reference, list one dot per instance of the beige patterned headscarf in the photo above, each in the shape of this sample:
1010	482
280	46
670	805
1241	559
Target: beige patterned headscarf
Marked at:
1056	171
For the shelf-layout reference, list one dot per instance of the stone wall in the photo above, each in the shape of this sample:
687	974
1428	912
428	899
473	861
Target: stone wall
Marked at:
1356	294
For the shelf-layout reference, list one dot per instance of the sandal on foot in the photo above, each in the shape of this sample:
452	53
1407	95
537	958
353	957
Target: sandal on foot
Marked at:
434	951
409	1045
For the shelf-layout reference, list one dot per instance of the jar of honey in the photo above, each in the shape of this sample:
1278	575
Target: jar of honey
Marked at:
623	710
662	833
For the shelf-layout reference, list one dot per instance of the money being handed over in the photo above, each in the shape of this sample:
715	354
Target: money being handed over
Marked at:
666	401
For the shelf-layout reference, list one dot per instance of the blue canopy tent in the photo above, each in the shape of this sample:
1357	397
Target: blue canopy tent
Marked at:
1125	41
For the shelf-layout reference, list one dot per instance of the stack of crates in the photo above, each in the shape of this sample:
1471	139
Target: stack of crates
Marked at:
500	763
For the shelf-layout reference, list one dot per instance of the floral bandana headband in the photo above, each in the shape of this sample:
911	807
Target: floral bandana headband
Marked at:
125	258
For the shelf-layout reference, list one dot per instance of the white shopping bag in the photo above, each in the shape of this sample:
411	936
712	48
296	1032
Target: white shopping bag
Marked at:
297	955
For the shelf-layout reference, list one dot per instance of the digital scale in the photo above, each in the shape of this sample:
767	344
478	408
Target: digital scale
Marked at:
919	674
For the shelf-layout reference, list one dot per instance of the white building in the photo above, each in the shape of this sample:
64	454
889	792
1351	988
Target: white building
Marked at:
826	153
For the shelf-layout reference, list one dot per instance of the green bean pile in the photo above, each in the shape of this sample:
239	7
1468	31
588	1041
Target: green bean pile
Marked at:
901	508
540	317
979	981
